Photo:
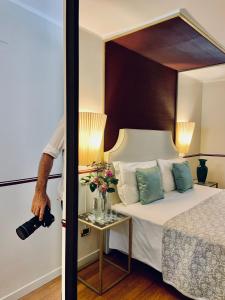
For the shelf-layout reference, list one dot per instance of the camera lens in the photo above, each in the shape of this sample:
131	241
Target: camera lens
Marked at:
25	230
22	232
28	228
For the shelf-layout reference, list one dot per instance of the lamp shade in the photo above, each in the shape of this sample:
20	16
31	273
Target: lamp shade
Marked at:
184	135
91	129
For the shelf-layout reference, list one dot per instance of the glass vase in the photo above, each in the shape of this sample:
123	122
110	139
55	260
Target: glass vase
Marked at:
99	206
107	208
102	210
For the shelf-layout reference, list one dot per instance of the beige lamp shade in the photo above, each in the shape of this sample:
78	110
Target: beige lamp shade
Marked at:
91	129
184	133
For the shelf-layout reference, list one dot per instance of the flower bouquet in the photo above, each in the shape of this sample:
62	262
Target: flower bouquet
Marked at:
103	181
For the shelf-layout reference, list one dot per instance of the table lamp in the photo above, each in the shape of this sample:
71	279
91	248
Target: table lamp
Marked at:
184	133
91	129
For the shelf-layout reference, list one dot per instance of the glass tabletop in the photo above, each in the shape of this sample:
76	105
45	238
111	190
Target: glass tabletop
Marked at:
102	221
207	183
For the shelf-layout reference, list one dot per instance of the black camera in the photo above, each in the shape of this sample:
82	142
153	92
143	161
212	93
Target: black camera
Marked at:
25	230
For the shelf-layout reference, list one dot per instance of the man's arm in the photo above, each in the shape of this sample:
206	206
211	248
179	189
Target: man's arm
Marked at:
41	199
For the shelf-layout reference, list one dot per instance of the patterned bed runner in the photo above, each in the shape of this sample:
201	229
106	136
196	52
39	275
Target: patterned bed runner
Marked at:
193	250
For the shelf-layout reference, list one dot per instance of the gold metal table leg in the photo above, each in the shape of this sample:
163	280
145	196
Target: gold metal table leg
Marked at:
101	245
130	246
100	290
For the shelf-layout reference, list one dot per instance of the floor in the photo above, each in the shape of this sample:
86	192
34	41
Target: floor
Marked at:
49	291
144	283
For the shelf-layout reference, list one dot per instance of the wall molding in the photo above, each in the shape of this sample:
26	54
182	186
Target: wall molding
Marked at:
205	154
33	285
213	155
85	171
87	259
26	180
36	12
192	155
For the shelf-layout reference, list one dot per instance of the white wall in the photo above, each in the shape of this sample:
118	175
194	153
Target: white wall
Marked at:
26	265
91	98
204	104
31	93
213	128
189	108
91	72
31	89
87	245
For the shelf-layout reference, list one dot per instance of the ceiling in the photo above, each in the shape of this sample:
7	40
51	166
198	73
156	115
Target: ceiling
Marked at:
51	10
214	73
107	18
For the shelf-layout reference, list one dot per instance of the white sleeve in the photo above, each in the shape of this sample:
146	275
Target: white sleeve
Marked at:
56	143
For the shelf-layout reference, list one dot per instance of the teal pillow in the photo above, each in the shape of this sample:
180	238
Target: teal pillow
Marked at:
182	176
149	185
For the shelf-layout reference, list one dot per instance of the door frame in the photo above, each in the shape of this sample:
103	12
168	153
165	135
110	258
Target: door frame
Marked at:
71	22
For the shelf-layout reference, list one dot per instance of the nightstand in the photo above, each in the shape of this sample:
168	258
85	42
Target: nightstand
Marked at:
207	183
96	282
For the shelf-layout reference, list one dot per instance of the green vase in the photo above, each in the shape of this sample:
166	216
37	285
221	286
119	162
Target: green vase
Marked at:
202	170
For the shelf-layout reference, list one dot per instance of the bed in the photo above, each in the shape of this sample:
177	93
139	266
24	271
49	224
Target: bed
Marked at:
172	234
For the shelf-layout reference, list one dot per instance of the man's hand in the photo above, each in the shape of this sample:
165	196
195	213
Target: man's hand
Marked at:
39	203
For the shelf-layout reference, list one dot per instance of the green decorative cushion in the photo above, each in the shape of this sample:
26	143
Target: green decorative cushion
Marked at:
149	185
182	176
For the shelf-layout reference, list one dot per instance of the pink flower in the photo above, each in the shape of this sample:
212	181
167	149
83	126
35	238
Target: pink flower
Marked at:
95	180
108	173
104	187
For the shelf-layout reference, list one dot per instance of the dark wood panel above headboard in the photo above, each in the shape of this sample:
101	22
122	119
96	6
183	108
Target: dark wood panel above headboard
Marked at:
175	44
139	93
141	73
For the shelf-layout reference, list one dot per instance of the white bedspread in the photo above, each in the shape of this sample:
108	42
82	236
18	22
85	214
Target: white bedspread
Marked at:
148	223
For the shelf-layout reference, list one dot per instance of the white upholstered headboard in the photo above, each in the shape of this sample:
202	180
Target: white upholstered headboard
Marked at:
135	145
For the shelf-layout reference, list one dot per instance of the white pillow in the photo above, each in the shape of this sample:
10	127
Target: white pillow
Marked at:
127	185
165	166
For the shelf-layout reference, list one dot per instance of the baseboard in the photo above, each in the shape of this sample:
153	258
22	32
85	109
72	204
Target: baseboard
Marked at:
85	260
31	286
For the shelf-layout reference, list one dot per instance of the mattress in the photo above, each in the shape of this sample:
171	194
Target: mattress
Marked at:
148	223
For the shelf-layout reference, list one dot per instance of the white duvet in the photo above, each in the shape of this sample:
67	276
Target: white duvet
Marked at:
148	223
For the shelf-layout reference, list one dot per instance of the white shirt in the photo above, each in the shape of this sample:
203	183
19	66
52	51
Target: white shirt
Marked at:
55	147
